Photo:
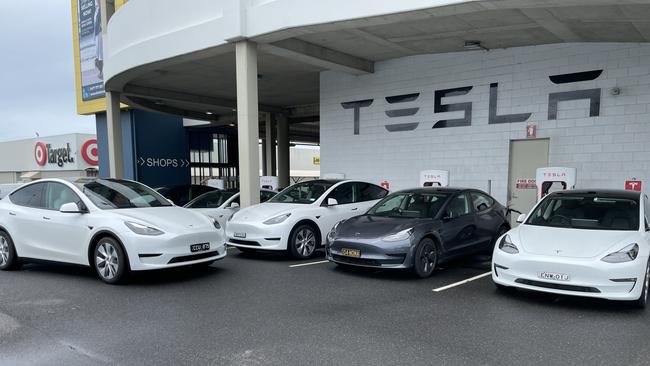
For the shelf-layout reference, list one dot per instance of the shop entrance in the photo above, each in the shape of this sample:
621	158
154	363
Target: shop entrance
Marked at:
525	157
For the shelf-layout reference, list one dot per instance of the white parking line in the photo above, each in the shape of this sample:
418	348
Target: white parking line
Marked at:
443	288
306	264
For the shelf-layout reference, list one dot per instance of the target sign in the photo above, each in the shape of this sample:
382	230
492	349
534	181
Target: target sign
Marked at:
40	153
89	152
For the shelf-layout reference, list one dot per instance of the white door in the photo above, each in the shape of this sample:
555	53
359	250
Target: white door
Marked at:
525	157
25	214
346	208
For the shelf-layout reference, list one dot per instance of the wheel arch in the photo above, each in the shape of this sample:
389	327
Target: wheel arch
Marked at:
311	223
95	239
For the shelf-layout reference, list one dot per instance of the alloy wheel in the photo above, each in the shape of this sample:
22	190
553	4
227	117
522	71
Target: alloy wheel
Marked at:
4	250
305	242
427	258
107	260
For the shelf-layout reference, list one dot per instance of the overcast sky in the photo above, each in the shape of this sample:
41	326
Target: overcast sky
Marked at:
37	91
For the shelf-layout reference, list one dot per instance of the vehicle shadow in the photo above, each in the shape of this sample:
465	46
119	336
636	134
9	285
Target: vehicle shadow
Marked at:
274	256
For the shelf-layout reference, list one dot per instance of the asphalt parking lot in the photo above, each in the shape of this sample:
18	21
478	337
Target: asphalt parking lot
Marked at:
270	310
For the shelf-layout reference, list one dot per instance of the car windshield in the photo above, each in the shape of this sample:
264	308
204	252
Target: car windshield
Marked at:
413	205
210	200
587	212
306	192
110	194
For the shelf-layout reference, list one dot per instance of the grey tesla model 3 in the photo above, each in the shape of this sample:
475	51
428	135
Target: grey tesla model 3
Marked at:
418	229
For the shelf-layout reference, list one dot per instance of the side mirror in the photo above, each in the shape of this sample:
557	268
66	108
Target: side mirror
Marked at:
521	218
70	207
234	205
170	201
332	202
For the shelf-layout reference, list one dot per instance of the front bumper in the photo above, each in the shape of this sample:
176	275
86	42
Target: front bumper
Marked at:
171	250
374	253
266	237
587	277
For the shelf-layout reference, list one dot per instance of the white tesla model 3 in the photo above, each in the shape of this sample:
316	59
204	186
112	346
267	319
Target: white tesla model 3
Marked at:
592	243
113	226
299	218
220	205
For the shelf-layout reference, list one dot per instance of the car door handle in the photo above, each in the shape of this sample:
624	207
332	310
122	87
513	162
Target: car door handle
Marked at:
46	218
356	208
11	213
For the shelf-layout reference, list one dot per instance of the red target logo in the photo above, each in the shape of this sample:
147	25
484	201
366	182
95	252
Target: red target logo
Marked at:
89	152
40	153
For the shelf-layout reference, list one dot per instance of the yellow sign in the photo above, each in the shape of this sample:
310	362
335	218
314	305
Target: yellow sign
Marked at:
88	55
316	160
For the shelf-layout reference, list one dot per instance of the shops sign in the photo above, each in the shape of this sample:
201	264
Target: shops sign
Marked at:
593	95
46	154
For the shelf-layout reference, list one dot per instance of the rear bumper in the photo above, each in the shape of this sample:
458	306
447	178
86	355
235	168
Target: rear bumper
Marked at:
374	253
587	277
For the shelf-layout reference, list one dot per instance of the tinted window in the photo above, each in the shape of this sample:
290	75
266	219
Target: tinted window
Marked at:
647	213
306	192
418	205
31	195
369	192
115	193
210	200
57	194
480	201
265	196
343	194
458	206
587	212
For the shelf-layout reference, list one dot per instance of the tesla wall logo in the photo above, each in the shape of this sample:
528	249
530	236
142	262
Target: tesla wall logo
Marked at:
45	154
89	152
593	95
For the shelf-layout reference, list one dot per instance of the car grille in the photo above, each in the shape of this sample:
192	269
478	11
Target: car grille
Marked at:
399	259
557	286
244	242
193	257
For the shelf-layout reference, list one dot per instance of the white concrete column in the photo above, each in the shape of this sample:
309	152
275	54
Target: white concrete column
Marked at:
263	160
283	150
248	122
114	132
269	146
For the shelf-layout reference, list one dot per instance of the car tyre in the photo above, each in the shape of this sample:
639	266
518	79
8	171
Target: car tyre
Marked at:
425	259
110	261
8	258
642	301
303	242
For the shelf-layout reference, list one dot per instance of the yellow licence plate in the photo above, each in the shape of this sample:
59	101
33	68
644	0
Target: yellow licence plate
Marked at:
356	253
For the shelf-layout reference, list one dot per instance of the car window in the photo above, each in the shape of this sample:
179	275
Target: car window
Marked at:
210	200
647	213
118	194
480	201
587	211
369	192
58	194
414	205
265	196
343	194
30	196
458	206
199	190
388	205
303	193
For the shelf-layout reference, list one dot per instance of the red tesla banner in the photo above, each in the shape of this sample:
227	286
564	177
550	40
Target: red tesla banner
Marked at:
633	185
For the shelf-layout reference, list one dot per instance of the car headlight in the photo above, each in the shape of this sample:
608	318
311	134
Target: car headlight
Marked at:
215	223
402	235
277	219
331	236
507	246
142	229
627	254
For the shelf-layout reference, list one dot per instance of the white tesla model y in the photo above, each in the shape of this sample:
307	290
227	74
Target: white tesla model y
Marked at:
299	218
592	243
114	226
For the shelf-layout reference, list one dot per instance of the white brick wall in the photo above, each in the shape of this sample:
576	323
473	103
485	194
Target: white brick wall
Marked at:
606	150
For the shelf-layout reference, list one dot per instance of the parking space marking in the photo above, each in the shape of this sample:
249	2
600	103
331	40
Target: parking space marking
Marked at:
443	288
307	264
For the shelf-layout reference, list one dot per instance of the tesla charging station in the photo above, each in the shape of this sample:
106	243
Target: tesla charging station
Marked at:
269	182
554	179
434	178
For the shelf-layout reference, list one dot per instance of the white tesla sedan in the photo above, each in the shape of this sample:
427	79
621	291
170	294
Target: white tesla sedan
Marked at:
220	205
299	218
592	243
113	226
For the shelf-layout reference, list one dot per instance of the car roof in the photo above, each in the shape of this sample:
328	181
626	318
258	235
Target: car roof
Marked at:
435	189
614	193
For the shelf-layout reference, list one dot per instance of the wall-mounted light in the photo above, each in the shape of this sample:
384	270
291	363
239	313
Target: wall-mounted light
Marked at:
474	45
